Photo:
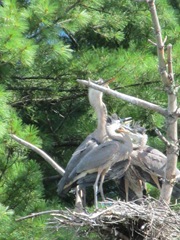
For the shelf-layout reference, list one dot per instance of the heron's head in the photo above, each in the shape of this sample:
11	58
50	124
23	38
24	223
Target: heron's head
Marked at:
137	134
95	96
121	129
135	127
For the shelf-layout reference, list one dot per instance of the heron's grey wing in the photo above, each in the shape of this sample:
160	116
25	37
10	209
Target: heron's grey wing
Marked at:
116	171
87	145
151	159
99	156
176	191
84	144
145	176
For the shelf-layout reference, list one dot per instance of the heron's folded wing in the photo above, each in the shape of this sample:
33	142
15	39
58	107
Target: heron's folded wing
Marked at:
154	160
80	152
100	156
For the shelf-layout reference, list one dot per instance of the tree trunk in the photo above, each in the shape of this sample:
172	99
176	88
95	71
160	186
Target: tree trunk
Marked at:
171	119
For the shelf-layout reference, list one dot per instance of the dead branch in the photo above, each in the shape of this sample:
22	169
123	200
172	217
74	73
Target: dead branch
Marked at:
167	77
162	137
125	97
44	155
150	220
170	66
32	215
159	41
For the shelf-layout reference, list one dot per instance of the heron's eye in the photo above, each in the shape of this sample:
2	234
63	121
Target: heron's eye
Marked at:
109	120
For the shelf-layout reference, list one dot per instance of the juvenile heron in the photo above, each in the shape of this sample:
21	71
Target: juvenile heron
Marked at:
148	163
152	161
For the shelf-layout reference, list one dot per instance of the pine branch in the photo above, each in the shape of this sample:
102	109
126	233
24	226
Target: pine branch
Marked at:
137	85
51	178
41	77
44	155
49	100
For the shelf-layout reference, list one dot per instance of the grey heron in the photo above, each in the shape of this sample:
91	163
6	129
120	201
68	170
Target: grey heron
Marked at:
100	159
148	163
93	139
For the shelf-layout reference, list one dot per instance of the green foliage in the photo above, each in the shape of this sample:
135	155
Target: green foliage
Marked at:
14	47
6	222
45	46
23	184
152	191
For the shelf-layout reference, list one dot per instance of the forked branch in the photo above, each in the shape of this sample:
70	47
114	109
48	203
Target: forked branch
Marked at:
171	119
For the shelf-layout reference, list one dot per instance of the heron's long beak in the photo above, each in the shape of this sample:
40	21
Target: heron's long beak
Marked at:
106	83
126	120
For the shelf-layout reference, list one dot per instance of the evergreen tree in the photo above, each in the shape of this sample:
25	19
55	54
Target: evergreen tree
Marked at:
45	46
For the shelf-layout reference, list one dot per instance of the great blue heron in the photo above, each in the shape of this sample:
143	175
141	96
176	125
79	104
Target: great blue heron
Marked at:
117	170
100	159
151	161
120	167
93	139
132	179
148	164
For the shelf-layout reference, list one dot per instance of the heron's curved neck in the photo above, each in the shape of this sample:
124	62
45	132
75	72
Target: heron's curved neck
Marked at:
121	137
95	99
101	113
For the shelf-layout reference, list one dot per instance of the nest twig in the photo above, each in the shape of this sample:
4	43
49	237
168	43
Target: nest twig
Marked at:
125	220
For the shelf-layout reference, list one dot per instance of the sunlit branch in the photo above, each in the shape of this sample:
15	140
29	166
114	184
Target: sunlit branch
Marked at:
127	98
44	155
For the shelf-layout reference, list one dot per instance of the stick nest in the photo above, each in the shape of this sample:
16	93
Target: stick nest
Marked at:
124	220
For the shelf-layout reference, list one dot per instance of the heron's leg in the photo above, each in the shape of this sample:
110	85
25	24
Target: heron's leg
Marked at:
96	189
126	185
101	185
84	196
78	203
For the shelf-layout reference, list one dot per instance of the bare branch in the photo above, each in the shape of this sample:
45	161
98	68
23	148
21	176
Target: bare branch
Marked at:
170	67
47	100
44	155
130	99
32	215
153	43
178	112
171	118
162	137
159	42
165	39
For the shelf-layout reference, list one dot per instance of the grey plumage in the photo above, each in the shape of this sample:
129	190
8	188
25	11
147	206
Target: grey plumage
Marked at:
92	140
102	158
